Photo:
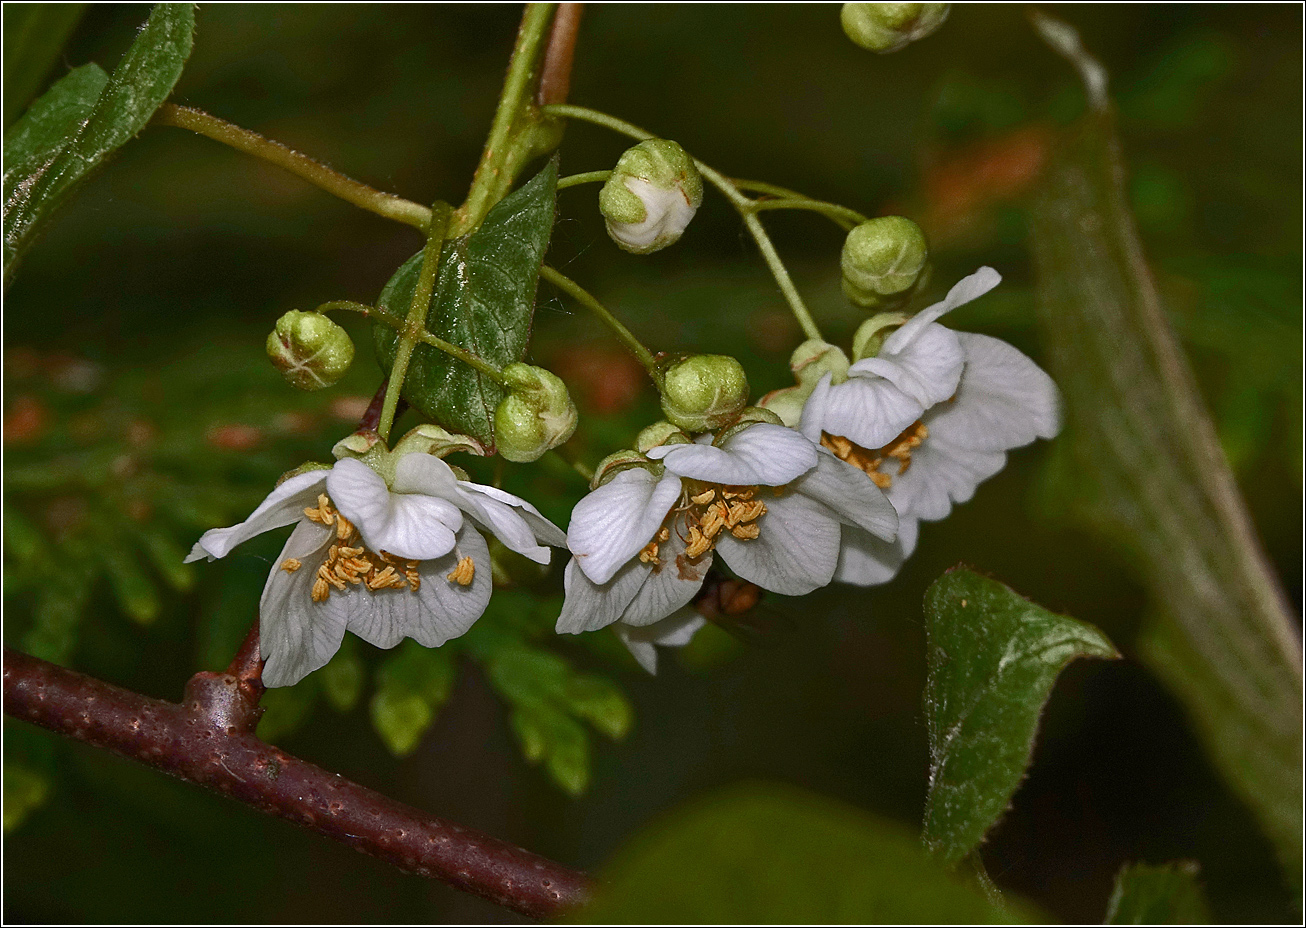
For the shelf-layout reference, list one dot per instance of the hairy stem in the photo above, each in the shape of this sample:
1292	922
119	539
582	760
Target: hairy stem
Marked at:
415	324
316	173
208	740
586	299
435	341
515	134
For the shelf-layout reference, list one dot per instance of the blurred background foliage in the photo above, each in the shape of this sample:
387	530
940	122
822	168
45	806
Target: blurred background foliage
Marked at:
139	410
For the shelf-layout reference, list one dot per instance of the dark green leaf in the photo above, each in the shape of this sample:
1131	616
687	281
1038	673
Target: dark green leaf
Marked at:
1168	894
770	854
548	734
34	35
24	792
342	677
993	658
484	301
50	122
412	686
140	83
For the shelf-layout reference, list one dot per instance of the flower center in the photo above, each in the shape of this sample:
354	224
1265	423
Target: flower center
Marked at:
869	462
351	563
706	510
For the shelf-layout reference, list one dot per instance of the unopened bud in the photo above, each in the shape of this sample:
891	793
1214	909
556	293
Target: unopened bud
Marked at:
703	392
618	461
535	416
811	361
871	334
651	196
310	350
883	262
660	433
748	417
887	27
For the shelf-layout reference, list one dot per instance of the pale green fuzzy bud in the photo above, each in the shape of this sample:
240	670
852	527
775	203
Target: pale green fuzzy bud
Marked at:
651	196
429	438
870	335
618	461
535	416
883	262
749	416
703	391
887	27
310	350
306	468
811	361
660	433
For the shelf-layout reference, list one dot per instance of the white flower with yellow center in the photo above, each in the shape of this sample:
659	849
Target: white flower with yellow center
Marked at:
384	562
927	419
765	498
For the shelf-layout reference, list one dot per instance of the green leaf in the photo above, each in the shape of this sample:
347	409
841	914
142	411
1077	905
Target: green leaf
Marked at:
993	659
484	301
57	615
599	702
771	854
168	558
285	708
25	791
34	35
140	83
50	122
1168	894
548	734
131	587
342	677
413	684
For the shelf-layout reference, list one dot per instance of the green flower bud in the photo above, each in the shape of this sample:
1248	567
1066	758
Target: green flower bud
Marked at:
618	461
703	391
883	262
310	350
887	27
306	468
870	335
811	361
749	416
535	416
651	196
429	438
660	433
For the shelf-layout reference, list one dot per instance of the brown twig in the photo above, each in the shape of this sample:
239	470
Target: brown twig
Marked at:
208	740
555	74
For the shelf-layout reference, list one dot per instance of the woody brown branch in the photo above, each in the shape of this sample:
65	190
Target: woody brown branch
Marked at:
555	73
208	740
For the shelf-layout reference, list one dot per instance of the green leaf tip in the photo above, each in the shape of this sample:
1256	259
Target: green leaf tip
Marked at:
1164	894
993	659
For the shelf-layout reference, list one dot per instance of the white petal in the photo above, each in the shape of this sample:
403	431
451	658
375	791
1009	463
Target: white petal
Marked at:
610	525
513	521
409	525
928	368
796	551
439	610
850	495
675	631
812	421
668	586
865	560
866	409
965	290
282	506
1005	400
760	455
941	474
297	635
589	606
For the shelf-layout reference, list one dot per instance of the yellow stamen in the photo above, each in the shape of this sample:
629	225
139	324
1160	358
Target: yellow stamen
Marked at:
868	461
291	564
464	573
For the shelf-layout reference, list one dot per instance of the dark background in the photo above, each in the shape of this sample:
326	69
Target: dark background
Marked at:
181	245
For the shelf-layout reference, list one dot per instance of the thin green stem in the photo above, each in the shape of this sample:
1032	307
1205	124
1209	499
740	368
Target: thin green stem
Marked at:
586	472
842	216
435	341
415	324
582	296
745	205
301	165
781	274
590	177
511	141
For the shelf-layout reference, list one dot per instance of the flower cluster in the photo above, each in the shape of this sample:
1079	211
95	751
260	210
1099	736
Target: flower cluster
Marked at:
826	481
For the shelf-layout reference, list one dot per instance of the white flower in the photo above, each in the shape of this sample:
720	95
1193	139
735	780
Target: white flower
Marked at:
675	631
767	499
928	419
381	561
